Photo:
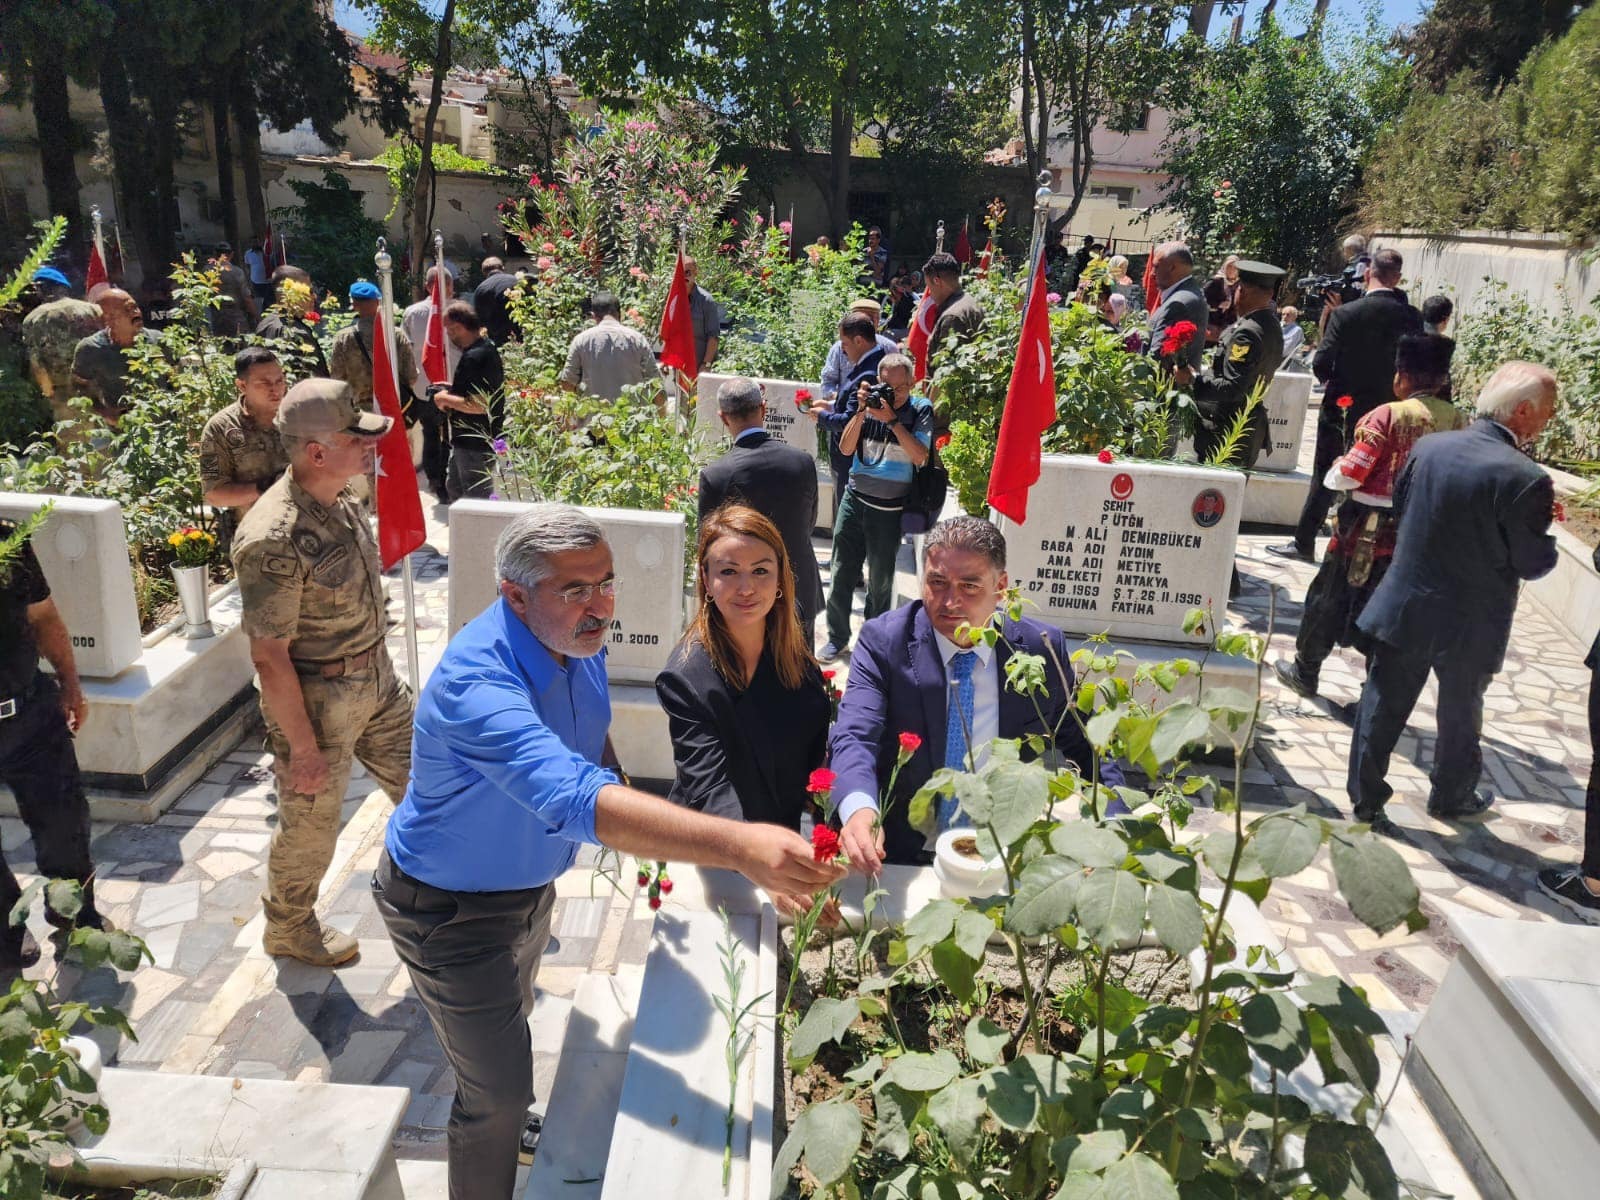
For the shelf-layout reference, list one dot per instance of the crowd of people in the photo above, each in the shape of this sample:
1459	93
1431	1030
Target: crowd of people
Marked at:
503	767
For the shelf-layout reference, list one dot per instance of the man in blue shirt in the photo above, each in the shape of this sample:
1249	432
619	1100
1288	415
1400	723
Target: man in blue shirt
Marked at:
509	776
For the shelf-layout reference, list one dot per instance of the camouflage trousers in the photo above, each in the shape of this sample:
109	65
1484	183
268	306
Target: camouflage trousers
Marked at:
364	715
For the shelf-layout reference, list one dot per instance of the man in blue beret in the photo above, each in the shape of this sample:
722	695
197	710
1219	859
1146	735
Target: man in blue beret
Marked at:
51	333
350	359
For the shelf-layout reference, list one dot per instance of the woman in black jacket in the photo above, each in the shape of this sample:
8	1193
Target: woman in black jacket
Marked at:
746	703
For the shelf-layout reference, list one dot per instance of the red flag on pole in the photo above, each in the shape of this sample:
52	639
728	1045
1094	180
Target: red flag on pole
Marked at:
677	328
986	258
1152	294
1030	408
400	526
963	249
434	364
922	322
96	274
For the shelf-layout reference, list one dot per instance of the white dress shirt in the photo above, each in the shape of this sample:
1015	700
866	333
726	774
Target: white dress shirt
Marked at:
415	325
985	712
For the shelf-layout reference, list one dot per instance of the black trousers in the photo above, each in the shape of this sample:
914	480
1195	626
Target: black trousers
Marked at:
435	449
40	766
473	957
1333	604
1591	800
1394	681
1331	438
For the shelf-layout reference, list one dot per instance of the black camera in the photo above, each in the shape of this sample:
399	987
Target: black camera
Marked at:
880	396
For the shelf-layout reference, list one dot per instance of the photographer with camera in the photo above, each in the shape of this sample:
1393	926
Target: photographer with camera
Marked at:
887	435
473	405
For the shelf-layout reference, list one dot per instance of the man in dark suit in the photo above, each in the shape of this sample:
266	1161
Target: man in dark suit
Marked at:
1181	300
1356	359
1474	519
909	674
777	480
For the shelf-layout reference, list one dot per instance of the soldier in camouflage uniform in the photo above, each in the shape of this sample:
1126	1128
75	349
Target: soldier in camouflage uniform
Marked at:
241	454
351	356
51	334
312	589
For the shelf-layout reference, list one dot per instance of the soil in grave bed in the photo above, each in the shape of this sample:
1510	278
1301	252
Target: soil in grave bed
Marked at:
929	1018
156	1189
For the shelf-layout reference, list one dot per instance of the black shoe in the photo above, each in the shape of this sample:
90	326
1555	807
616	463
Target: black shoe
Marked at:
529	1142
1381	825
1565	886
1293	550
1289	674
1473	805
18	951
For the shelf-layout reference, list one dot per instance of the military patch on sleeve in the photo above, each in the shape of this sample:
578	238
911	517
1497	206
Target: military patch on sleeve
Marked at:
307	543
281	565
1238	352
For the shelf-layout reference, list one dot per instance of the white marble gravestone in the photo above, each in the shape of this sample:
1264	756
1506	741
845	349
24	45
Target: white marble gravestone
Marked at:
647	550
1286	400
1126	548
83	551
785	421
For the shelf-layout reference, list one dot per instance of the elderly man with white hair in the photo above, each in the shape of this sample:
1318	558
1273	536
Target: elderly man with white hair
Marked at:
1474	522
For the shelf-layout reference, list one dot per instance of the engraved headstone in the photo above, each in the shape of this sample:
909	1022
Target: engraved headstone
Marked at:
1286	400
1126	548
83	551
785	421
647	551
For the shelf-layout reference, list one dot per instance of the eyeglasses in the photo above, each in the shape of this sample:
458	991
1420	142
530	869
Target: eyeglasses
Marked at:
582	593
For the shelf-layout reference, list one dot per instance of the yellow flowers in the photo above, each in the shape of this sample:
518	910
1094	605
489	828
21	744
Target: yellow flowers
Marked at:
193	546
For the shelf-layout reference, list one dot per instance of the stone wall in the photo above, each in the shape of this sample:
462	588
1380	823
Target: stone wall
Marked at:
1544	266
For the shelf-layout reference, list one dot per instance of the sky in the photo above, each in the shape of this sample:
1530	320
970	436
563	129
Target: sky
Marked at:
1393	13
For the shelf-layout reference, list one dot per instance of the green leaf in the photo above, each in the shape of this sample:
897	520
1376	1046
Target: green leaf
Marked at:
1082	1186
1348	1161
1373	879
1286	842
1198	1125
1168	866
1226	1052
954	969
832	1135
1102	727
826	1021
1017	795
958	1110
1276	1030
929	925
19	910
1090	844
918	1072
973	931
1086	1152
1111	907
1179	725
985	1040
1340	1003
1137	1177
1176	918
1044	896
895	1110
64	896
1217	846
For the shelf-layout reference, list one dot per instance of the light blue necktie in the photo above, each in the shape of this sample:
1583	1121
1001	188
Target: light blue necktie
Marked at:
958	723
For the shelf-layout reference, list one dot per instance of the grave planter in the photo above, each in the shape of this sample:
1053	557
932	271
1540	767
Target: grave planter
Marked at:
193	585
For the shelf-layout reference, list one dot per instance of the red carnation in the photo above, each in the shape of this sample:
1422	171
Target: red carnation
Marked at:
313	317
909	744
801	394
655	902
821	782
824	844
644	878
1106	456
940	442
1559	511
1183	332
830	675
666	886
1345	401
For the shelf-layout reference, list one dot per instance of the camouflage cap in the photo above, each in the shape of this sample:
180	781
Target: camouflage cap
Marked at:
317	407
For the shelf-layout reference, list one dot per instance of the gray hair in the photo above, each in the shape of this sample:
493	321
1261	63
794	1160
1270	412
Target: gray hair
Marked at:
972	534
1175	250
739	397
525	545
1118	263
896	359
1355	244
1513	385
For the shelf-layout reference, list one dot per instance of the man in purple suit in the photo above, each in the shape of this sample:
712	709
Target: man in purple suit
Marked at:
912	673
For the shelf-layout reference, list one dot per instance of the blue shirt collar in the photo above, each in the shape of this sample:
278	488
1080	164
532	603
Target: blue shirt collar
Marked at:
536	662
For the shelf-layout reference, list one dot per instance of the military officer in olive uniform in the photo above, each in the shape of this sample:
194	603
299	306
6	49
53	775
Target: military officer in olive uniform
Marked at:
241	454
1249	353
51	333
311	585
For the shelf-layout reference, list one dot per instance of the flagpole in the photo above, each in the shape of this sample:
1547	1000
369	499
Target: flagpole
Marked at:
438	262
385	264
938	238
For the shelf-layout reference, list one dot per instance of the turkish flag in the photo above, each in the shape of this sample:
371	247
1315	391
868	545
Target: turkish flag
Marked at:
921	330
434	364
96	274
400	526
963	249
1152	294
1030	408
677	329
986	258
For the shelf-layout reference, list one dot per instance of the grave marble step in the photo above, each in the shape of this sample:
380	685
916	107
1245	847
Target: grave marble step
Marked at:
1275	499
1508	1057
313	1141
582	1105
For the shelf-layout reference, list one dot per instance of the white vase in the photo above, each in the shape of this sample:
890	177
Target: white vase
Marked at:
194	594
960	875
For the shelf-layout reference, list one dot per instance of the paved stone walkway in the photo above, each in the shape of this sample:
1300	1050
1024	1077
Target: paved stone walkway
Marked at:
212	1002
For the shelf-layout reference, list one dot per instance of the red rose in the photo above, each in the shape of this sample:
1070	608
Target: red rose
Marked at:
313	317
821	782
824	844
802	394
940	442
1106	456
1345	401
909	743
